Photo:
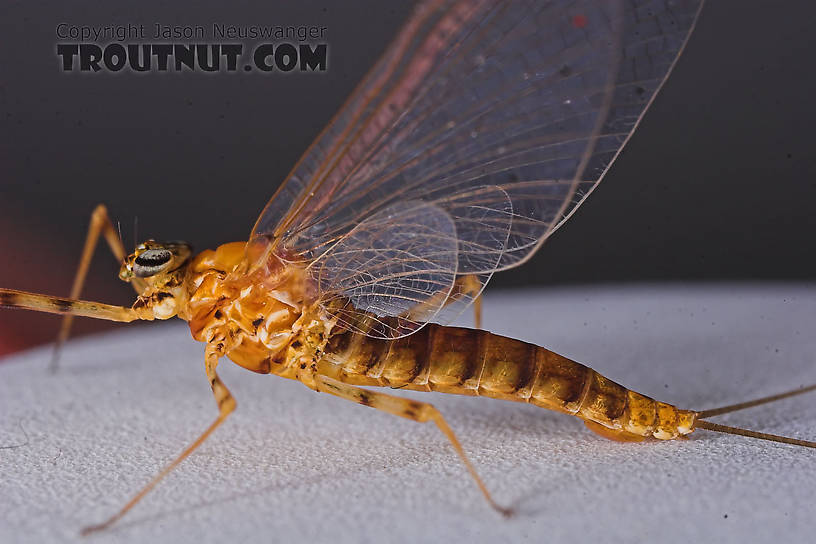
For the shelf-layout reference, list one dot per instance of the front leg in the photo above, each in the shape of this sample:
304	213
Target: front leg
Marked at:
407	408
100	224
226	405
11	298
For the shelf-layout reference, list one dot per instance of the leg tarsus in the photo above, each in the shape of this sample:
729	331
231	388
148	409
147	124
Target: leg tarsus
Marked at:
436	417
409	409
226	404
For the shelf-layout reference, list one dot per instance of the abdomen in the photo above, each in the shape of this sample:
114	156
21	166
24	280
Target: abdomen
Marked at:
476	362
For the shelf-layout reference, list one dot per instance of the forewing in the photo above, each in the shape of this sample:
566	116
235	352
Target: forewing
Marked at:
533	97
500	117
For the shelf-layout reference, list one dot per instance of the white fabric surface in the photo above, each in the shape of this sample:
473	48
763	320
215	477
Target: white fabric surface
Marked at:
292	465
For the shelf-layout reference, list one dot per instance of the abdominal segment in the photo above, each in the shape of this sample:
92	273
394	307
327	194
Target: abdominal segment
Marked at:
475	362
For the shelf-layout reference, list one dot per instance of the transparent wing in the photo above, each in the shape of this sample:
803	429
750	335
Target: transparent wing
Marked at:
398	269
533	99
484	218
392	272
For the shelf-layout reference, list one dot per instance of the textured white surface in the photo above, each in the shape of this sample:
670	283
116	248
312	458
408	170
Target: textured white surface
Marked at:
292	465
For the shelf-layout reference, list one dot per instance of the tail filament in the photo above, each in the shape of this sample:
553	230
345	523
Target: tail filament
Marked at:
709	426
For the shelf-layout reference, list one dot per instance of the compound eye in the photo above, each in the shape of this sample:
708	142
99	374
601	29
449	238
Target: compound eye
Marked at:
151	262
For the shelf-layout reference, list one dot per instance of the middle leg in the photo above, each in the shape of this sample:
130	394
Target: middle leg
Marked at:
226	405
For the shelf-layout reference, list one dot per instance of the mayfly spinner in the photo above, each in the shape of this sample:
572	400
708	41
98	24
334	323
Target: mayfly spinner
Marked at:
472	139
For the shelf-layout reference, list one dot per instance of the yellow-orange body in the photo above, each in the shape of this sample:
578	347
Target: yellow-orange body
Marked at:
264	312
269	324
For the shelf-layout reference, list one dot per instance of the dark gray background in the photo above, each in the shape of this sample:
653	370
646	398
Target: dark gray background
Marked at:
718	184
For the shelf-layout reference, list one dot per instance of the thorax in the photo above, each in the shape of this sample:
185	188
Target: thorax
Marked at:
261	319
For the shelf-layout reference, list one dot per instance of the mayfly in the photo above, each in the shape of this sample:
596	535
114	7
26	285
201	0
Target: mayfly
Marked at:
472	139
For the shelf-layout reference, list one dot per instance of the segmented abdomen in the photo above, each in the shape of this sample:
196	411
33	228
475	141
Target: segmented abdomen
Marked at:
476	362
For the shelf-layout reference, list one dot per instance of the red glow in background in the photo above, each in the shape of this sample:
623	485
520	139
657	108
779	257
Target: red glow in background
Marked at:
716	184
37	262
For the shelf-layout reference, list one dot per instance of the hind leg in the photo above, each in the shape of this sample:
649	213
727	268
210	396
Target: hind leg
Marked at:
417	411
473	287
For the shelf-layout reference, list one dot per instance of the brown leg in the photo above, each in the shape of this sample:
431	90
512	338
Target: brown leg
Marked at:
100	224
407	408
11	298
226	404
470	285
